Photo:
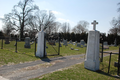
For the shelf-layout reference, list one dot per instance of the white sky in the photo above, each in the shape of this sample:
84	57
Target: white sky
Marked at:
73	11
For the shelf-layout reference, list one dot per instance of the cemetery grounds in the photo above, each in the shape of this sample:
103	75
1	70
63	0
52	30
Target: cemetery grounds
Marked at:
8	56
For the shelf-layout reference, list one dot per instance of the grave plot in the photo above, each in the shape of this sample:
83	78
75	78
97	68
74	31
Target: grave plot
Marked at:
13	44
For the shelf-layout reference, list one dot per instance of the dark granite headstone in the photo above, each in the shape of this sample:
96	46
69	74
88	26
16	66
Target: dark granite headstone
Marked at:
7	40
27	42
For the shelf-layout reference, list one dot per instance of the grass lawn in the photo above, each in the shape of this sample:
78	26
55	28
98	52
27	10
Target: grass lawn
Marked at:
78	72
9	56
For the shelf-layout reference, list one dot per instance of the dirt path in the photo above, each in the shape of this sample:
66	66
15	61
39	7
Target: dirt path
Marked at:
37	68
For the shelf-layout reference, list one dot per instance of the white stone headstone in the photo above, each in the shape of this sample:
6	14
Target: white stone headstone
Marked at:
41	48
92	55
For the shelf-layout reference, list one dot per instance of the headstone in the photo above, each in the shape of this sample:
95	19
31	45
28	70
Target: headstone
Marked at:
70	42
57	41
60	45
41	47
92	56
27	42
115	44
82	42
105	45
72	48
46	47
76	49
74	43
65	42
7	40
78	45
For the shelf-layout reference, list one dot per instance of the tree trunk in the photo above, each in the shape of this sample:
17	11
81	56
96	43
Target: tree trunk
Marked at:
21	32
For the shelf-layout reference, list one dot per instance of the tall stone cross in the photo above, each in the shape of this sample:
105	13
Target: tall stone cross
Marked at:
94	24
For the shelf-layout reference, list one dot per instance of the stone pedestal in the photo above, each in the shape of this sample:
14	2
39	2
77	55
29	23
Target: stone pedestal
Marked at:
92	56
41	48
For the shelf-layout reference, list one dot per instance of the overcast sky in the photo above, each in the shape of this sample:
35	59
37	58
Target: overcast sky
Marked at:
73	11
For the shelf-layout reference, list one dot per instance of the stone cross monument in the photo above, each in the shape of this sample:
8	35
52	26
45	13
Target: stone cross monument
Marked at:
94	24
92	54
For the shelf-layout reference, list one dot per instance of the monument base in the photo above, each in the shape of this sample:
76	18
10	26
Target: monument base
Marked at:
41	46
91	65
27	46
92	55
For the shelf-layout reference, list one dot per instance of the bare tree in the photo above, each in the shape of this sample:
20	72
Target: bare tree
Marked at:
20	15
44	20
81	27
119	7
115	23
65	27
56	26
74	30
115	26
7	28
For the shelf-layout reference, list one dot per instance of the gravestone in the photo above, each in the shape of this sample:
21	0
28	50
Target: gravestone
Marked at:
74	43
70	42
72	48
7	40
27	42
65	42
82	42
78	45
57	41
105	45
92	55
60	45
76	49
41	46
115	44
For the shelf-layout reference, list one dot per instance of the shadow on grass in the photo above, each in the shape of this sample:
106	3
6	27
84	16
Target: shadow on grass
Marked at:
54	57
106	74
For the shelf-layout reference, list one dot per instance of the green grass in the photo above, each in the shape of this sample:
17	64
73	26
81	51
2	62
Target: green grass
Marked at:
78	72
9	56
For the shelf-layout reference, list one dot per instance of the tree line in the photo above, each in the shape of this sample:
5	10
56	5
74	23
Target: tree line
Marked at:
27	19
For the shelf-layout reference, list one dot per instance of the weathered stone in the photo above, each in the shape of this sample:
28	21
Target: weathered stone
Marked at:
7	40
92	56
41	47
27	42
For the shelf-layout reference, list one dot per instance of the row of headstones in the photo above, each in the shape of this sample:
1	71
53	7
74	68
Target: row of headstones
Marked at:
82	42
51	42
27	42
